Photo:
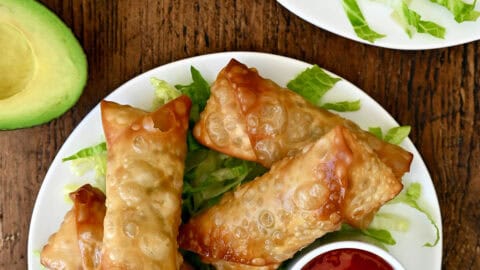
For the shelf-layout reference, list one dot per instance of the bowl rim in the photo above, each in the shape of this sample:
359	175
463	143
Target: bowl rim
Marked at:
309	256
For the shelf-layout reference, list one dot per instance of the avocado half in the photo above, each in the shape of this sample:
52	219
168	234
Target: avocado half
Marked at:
43	68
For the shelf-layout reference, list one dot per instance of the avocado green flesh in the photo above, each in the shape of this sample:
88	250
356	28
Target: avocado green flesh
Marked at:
43	68
17	62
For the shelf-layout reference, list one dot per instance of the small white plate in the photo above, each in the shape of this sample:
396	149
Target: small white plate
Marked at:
330	16
309	256
50	206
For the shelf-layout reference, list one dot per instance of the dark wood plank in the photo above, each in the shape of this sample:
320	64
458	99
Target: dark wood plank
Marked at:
435	91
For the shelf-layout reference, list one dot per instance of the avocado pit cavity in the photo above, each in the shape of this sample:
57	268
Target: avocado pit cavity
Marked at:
17	64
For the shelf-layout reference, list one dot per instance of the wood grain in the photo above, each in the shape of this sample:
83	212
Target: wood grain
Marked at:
435	91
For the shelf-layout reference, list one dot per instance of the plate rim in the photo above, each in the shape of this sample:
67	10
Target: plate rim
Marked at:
288	4
227	54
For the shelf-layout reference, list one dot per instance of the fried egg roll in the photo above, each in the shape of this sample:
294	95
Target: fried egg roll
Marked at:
61	250
78	242
145	162
89	204
337	179
253	118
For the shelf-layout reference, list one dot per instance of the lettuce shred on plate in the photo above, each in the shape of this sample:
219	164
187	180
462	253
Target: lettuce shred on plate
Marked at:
394	135
313	83
411	198
461	11
358	22
411	21
93	158
198	91
407	18
209	174
163	92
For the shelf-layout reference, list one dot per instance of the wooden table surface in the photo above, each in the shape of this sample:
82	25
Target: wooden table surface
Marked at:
437	92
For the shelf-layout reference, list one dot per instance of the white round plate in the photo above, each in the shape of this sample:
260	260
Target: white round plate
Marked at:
330	16
50	206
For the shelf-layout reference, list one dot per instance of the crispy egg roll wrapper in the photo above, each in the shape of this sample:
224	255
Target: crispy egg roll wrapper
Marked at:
89	205
61	250
253	118
78	242
145	163
266	221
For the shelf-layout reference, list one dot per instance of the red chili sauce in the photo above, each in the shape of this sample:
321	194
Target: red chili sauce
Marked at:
347	259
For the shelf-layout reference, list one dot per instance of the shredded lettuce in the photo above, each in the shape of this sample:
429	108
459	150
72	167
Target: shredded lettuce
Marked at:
382	235
358	22
407	18
397	134
394	135
379	237
164	92
460	10
390	221
313	83
88	152
192	143
411	198
377	131
93	158
198	91
343	106
411	21
36	253
209	174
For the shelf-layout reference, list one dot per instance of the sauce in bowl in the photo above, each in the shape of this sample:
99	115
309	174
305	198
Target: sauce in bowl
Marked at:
345	255
347	259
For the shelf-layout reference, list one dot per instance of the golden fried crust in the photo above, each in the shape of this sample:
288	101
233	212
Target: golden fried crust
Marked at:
78	242
222	125
370	183
144	181
267	220
278	122
89	205
124	116
61	250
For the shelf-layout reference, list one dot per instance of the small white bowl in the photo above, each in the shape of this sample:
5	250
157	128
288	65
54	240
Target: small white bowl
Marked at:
309	256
